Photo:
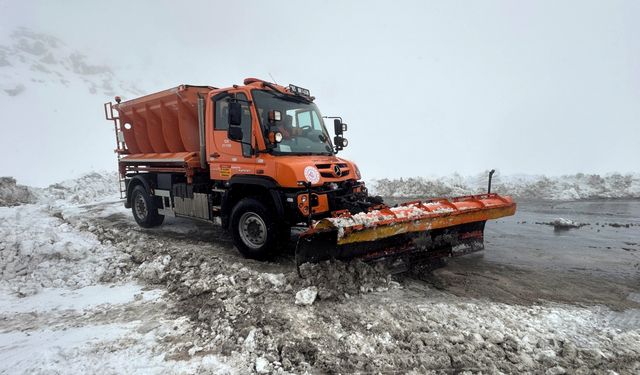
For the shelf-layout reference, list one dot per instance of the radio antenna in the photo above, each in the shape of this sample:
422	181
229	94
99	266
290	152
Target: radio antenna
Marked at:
273	79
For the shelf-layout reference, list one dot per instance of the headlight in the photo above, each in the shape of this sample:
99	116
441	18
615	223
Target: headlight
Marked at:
277	137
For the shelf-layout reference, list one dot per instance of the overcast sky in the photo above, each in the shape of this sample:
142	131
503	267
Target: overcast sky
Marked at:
542	87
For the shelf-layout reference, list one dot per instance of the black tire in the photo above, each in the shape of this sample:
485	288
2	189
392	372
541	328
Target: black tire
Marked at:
253	229
144	208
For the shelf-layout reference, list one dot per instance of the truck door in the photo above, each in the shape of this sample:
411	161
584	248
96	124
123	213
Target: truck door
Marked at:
231	157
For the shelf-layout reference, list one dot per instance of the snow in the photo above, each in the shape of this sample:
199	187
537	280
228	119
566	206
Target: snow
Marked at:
40	249
106	348
83	290
307	296
565	223
51	97
374	218
55	314
76	299
277	280
88	188
82	330
262	365
569	187
12	194
153	271
30	351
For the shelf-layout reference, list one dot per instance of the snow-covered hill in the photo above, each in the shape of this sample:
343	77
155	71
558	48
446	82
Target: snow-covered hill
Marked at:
31	61
52	118
571	187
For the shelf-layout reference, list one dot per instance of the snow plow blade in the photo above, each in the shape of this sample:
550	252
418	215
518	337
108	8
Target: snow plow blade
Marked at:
432	229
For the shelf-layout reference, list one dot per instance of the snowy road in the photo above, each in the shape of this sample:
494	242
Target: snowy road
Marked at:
527	260
84	290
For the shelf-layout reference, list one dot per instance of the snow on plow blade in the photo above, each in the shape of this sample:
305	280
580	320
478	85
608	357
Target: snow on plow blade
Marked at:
436	228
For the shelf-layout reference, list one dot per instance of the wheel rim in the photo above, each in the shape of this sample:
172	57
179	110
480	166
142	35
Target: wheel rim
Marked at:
140	205
253	230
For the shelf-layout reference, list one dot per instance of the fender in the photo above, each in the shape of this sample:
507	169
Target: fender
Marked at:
262	182
136	180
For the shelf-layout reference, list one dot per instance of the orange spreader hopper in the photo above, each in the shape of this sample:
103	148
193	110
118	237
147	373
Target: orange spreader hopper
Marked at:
433	229
162	123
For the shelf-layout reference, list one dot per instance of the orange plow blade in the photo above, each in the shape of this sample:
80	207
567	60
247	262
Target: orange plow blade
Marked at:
436	228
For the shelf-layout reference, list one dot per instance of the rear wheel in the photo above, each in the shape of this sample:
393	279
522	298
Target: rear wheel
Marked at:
253	230
144	208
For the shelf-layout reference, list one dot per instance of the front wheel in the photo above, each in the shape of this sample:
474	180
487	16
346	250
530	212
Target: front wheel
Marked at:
253	229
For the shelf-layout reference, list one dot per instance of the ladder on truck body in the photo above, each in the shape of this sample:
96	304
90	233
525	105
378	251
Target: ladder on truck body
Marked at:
121	147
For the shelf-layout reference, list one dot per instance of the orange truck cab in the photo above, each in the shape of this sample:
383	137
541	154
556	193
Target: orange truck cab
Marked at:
256	158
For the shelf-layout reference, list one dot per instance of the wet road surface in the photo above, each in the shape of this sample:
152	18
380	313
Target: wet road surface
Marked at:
526	260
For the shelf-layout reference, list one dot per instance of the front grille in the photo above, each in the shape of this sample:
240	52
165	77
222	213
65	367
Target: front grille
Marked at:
345	172
326	170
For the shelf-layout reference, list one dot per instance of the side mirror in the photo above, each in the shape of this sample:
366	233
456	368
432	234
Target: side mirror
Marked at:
234	133
235	114
338	127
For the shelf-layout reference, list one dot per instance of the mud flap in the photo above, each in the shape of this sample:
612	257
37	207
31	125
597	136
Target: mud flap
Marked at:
412	247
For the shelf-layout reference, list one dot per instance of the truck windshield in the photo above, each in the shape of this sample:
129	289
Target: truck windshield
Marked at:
301	124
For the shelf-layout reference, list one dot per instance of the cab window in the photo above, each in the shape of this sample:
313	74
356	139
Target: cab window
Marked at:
222	120
222	113
306	119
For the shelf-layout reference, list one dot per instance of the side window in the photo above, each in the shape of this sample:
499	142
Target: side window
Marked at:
222	113
222	120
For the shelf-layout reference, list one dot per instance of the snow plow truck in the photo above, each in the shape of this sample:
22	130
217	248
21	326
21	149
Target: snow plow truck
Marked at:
257	159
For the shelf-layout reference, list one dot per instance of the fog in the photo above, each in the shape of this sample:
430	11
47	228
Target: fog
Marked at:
427	88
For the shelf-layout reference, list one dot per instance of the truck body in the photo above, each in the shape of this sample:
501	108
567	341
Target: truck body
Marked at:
258	159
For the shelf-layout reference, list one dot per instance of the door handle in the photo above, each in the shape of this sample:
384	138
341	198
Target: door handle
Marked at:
215	155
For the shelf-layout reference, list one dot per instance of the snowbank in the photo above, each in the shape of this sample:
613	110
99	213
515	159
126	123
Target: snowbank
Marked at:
568	187
88	188
67	300
12	194
95	186
39	249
